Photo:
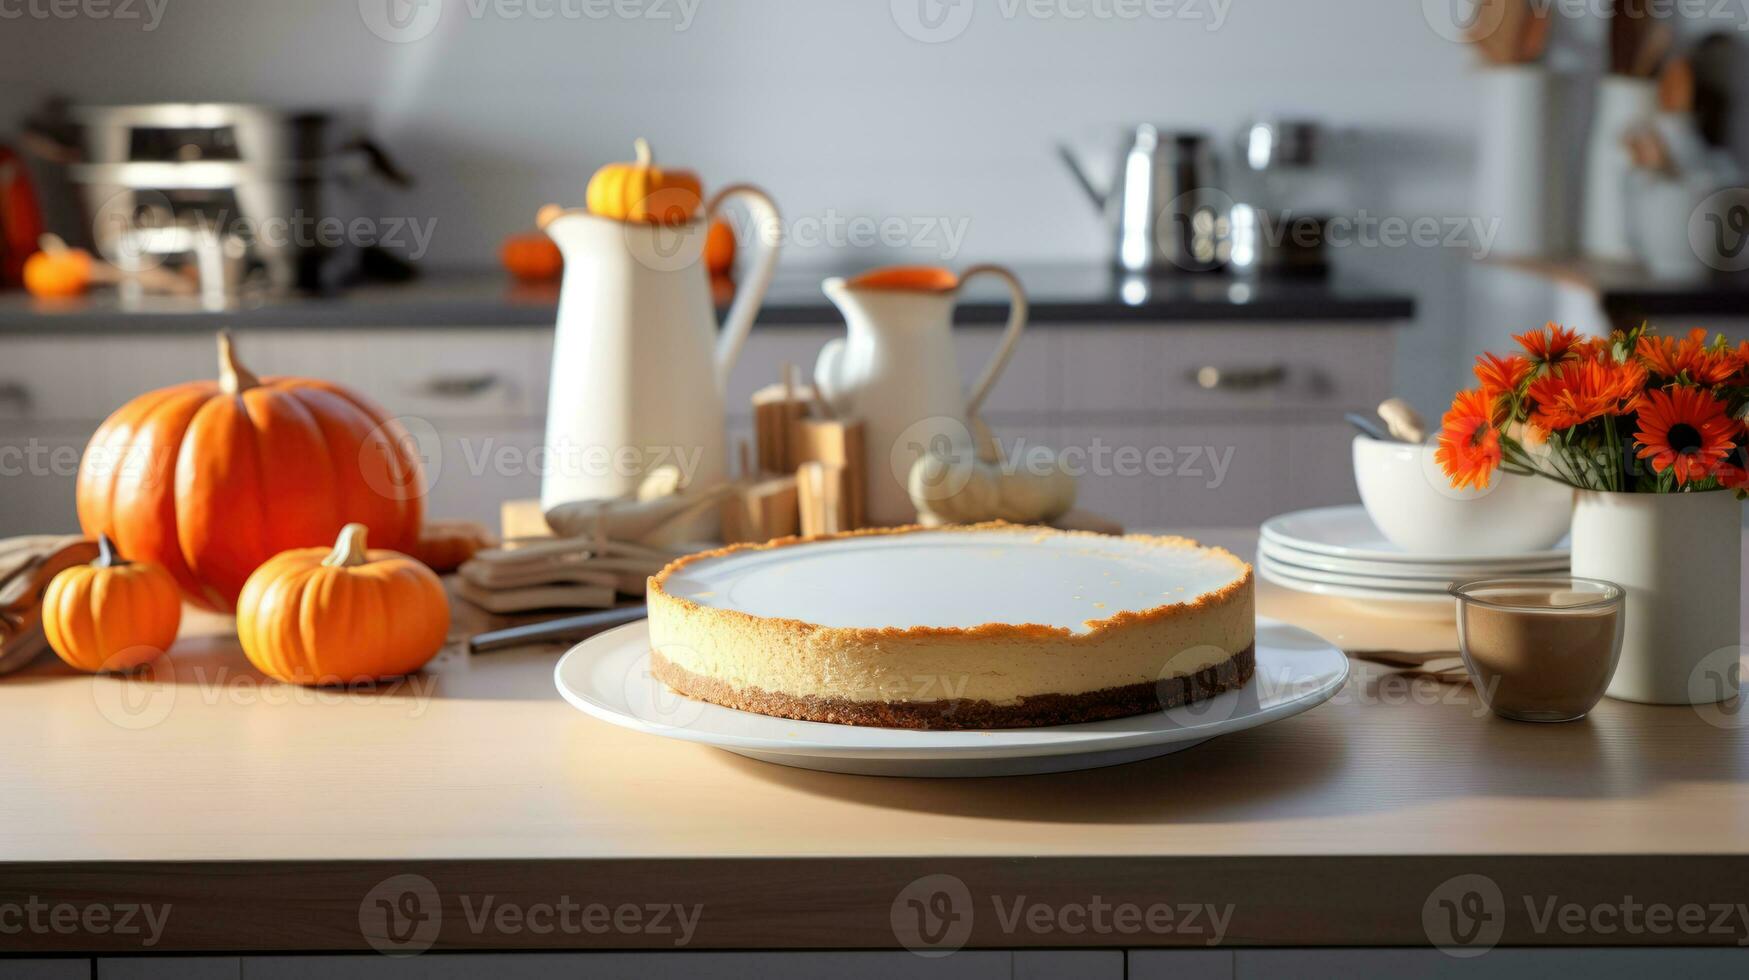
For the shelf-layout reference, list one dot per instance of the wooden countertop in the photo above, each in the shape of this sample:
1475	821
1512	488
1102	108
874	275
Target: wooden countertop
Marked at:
266	814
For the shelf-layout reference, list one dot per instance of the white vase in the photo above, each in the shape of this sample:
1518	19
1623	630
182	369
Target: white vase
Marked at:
1622	104
1679	556
1518	177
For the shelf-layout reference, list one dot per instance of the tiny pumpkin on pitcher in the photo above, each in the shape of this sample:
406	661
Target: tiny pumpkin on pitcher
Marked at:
341	615
112	614
643	192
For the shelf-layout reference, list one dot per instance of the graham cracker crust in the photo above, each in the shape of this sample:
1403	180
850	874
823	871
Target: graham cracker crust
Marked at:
960	713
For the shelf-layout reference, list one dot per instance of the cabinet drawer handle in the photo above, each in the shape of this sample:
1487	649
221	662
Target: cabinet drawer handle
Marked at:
15	394
1212	378
460	385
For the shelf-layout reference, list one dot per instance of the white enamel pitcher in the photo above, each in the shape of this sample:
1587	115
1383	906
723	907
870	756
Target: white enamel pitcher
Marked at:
895	370
639	367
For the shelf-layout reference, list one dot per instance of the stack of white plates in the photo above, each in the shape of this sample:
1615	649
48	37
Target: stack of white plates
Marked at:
1338	552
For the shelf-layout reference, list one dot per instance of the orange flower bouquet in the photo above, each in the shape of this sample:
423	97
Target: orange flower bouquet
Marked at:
1636	412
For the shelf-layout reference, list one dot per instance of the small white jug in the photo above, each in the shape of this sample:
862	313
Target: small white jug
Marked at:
895	370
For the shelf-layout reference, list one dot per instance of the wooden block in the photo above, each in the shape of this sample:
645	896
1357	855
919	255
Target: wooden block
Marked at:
821	499
776	411
522	519
838	443
761	511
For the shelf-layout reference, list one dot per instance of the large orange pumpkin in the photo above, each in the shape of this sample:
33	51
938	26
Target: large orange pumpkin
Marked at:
342	616
210	479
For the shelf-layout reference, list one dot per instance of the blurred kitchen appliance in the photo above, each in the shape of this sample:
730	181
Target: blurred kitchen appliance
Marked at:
1270	231
1164	203
281	186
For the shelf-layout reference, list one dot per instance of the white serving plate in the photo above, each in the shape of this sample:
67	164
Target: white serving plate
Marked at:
1406	569
1394	583
1395	603
608	677
1347	532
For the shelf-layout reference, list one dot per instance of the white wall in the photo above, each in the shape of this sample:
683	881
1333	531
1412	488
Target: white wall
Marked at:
830	104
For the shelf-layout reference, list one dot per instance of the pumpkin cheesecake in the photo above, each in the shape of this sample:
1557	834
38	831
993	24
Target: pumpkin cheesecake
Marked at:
986	626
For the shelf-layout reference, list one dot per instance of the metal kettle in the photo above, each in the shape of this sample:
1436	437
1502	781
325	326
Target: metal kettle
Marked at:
1163	204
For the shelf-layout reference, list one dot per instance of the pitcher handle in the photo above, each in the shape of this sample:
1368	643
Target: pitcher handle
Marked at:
767	228
1010	335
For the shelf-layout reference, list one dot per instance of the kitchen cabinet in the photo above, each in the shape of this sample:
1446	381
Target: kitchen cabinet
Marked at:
60	969
1174	424
1135	964
169	968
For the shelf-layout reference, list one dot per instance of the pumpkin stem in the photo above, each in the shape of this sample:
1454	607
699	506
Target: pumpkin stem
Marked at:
349	550
641	147
108	556
234	378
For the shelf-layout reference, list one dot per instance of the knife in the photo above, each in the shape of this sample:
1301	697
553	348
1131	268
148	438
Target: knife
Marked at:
568	627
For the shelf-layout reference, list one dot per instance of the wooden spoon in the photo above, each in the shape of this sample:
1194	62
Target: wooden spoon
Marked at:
1533	42
1676	86
1656	43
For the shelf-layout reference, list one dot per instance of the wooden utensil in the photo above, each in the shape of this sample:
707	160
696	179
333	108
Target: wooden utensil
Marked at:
1533	40
1655	44
26	566
1508	38
1648	151
1403	421
1676	86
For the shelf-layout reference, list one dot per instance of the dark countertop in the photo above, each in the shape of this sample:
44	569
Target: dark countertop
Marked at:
1057	293
1629	295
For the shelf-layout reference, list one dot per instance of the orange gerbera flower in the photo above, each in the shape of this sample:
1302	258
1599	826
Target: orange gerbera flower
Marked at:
1732	477
1740	377
1469	444
1670	358
1501	375
1550	345
1579	391
1685	430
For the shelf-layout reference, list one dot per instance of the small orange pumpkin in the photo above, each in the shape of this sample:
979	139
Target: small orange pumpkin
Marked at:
57	272
341	615
444	545
112	614
641	191
531	257
719	248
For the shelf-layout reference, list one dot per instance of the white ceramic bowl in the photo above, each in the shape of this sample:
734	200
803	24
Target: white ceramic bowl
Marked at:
1414	505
